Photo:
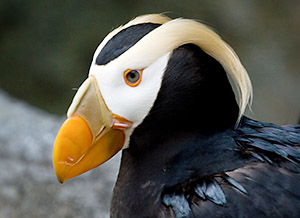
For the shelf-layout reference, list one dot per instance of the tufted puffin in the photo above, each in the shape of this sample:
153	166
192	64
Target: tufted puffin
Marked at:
171	95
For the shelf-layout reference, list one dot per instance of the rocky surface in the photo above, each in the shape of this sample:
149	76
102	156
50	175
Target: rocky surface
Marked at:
29	187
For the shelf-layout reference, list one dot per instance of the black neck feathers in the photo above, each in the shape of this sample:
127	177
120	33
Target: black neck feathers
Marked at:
195	95
179	157
191	118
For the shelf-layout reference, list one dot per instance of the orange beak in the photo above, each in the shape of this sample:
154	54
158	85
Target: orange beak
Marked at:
91	135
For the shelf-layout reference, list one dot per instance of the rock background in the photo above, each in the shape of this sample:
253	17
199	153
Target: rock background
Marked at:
28	185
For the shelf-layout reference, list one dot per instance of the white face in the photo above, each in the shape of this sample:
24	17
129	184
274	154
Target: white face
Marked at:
132	103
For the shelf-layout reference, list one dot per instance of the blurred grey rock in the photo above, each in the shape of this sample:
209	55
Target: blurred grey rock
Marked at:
29	187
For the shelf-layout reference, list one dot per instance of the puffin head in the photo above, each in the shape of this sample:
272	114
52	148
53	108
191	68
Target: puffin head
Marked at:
131	72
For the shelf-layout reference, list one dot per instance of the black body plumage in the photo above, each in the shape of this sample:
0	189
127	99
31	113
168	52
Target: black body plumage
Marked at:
187	158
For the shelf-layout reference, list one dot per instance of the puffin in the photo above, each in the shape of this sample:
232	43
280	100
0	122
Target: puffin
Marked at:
171	94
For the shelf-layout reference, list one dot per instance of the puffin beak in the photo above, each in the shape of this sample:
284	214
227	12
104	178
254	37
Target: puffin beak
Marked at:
91	135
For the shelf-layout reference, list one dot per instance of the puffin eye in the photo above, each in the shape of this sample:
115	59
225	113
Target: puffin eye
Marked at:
133	77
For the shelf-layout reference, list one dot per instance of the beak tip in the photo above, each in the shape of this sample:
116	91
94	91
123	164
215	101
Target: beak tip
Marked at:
61	180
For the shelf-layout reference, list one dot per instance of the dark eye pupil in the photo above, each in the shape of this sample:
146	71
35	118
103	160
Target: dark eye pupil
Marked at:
133	76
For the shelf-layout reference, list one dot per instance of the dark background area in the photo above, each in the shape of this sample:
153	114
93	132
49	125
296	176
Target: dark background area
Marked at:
46	46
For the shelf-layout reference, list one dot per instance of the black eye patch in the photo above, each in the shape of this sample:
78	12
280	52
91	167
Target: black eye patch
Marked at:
122	41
